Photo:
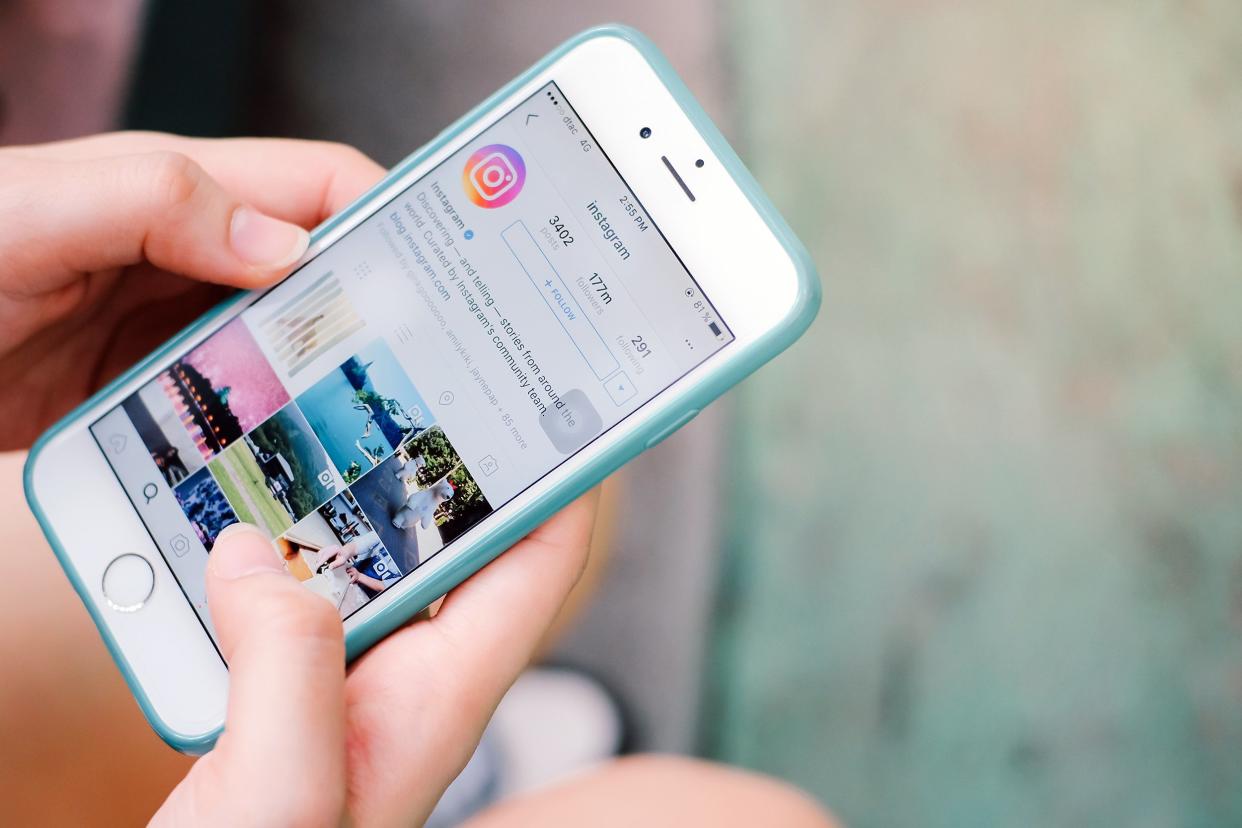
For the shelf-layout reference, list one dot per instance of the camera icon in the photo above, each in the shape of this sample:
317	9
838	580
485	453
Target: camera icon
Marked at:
179	544
493	176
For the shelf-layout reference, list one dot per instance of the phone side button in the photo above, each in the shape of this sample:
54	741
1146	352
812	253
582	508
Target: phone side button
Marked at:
678	423
127	582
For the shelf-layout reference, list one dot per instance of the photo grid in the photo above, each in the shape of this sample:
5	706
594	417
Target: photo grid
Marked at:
353	480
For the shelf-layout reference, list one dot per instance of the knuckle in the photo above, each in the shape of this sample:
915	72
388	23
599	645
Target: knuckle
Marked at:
323	622
173	178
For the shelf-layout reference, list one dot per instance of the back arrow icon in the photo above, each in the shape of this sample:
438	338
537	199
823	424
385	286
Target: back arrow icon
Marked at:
529	116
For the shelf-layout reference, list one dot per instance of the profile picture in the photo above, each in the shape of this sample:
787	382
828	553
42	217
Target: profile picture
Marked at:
205	506
220	390
493	175
421	498
278	473
364	409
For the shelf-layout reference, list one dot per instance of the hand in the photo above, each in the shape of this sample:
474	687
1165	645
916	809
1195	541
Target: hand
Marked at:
111	244
333	556
305	744
344	556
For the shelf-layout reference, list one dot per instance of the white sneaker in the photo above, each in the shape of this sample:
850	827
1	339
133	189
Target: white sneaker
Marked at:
552	723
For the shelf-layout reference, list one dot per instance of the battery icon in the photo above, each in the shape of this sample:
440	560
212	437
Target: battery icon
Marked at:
715	328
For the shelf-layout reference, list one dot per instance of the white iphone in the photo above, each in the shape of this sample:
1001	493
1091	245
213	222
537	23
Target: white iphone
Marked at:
560	280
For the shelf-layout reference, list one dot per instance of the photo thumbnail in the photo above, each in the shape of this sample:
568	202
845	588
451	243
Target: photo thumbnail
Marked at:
310	323
159	426
421	498
276	474
205	506
220	390
336	553
364	409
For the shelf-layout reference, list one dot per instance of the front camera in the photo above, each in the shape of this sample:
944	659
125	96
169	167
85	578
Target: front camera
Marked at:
645	132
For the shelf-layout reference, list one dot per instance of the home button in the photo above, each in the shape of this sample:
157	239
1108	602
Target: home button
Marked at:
127	582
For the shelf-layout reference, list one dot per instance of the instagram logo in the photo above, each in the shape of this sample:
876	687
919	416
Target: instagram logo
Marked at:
494	175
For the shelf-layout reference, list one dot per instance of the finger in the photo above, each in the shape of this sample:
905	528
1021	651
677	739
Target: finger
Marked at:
303	182
491	625
286	654
83	216
424	694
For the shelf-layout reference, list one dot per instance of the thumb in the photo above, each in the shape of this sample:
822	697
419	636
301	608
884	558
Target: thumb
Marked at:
88	215
286	714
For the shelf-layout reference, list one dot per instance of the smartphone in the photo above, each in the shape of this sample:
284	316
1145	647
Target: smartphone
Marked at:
561	279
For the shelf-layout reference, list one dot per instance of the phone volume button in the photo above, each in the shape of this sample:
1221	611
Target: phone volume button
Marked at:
678	423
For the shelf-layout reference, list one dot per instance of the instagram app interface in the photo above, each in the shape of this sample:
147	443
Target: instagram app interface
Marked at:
461	342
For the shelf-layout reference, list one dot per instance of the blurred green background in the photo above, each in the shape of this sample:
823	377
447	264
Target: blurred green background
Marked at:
994	573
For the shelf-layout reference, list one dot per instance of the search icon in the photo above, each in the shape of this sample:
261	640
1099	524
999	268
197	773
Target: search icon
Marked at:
149	491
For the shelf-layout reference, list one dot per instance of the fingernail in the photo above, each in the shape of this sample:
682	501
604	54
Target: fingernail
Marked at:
241	550
262	241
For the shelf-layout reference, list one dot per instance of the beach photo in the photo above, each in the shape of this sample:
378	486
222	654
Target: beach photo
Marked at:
336	553
205	506
278	473
159	426
364	409
220	390
421	498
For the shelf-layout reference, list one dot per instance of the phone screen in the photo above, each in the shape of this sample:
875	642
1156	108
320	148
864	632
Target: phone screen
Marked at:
467	337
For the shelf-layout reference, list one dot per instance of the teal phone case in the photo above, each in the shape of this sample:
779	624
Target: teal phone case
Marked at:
495	539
